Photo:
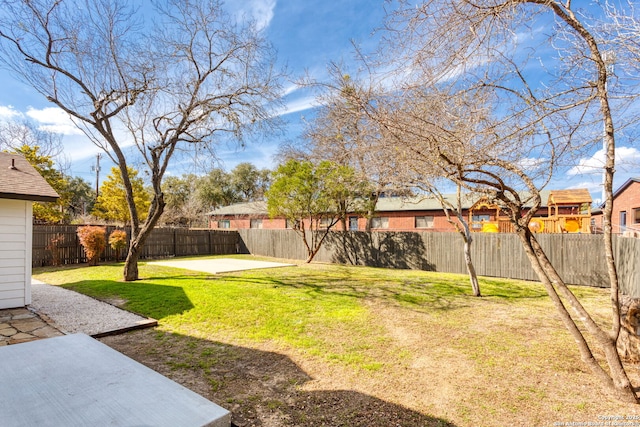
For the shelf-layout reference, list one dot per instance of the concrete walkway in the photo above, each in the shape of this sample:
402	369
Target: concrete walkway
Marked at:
220	265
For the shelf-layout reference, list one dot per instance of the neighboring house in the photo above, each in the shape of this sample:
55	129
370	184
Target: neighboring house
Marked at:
20	186
410	214
244	215
392	213
625	216
560	208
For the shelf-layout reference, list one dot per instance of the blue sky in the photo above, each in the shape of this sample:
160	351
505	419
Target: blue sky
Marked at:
307	35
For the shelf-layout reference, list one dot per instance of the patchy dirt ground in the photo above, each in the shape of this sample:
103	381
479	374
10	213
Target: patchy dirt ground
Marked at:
260	388
429	377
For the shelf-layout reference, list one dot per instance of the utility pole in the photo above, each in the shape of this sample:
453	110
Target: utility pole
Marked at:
96	168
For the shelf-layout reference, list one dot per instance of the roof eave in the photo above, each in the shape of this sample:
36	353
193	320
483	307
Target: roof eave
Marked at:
28	197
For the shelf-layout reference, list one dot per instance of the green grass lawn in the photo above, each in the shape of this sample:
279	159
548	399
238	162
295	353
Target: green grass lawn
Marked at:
320	309
387	327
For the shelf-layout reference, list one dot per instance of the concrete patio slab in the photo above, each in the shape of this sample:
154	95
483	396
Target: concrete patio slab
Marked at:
220	265
75	380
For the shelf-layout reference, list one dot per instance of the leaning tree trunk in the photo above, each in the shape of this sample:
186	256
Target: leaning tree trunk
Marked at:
616	381
465	232
462	227
629	341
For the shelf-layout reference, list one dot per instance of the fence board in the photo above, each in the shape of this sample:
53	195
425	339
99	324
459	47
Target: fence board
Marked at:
578	257
161	243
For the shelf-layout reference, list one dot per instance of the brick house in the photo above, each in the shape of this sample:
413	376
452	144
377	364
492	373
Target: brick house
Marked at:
625	216
401	214
392	214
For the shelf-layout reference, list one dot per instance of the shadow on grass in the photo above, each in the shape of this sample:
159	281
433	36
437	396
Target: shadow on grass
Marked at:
260	387
148	299
412	292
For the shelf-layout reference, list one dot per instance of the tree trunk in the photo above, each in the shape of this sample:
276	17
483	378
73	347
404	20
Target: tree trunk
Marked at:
139	237
313	250
462	226
130	272
473	278
303	234
629	341
616	381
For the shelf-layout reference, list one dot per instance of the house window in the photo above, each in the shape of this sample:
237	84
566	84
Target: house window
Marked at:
324	223
224	223
636	216
623	221
293	225
424	222
255	223
353	223
380	222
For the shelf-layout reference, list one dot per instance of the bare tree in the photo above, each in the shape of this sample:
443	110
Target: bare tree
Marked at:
16	134
416	125
192	75
361	124
623	26
543	112
342	133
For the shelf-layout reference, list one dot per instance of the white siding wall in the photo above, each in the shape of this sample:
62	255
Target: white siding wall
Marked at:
15	253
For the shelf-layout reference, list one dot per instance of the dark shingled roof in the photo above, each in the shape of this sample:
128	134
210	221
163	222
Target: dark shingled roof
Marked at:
19	180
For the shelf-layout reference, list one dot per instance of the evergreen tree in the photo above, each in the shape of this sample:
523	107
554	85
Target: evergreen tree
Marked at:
111	203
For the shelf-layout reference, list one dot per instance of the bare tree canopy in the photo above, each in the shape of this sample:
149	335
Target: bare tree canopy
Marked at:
164	78
15	134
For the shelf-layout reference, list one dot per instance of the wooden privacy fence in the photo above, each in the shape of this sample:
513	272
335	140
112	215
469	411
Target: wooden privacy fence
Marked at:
579	258
162	243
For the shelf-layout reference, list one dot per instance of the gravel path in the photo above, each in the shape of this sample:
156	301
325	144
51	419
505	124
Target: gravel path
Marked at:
73	312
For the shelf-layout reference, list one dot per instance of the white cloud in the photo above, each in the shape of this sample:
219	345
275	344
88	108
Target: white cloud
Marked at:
297	105
592	186
261	11
52	119
290	89
627	159
589	165
532	163
8	112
